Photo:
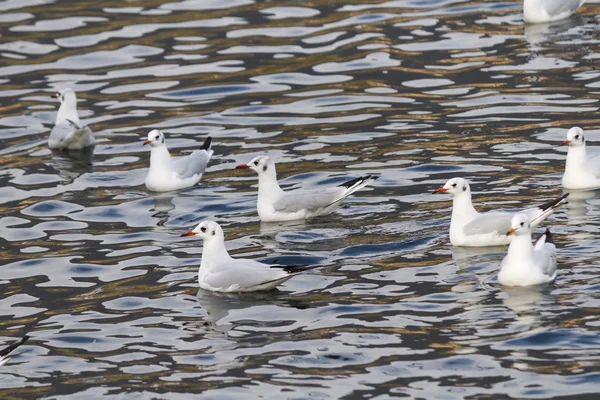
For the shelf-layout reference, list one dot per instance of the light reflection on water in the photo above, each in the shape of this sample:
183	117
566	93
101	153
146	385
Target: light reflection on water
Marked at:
417	92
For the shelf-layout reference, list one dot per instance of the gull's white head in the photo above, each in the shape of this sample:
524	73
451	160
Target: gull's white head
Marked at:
455	186
155	138
260	165
207	230
519	225
66	96
575	137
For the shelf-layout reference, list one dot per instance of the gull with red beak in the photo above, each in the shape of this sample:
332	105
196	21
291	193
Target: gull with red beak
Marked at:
581	172
276	205
219	272
471	228
524	263
68	132
168	173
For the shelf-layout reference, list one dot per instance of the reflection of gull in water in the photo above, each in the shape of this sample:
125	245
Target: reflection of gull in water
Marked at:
72	164
536	34
541	11
163	202
271	229
469	258
525	301
581	206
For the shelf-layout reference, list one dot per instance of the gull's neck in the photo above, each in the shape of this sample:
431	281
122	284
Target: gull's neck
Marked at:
160	162
67	110
463	211
268	188
520	252
214	254
576	161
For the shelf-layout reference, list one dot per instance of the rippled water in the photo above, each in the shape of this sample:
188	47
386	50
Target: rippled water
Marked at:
94	270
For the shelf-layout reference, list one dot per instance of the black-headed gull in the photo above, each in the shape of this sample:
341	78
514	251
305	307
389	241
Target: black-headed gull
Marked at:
6	352
524	263
276	205
219	272
541	11
68	132
168	173
581	172
470	228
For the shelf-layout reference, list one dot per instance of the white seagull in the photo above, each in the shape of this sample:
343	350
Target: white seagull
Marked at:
168	173
276	205
6	352
581	172
68	133
220	273
470	228
540	11
525	264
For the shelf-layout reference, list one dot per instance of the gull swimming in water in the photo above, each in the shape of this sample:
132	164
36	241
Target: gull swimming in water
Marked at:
168	173
68	132
524	263
276	205
581	172
219	272
471	228
541	11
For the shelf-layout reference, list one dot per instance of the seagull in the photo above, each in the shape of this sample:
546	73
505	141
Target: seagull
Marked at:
470	228
276	205
581	172
68	132
540	11
220	273
5	352
168	173
525	264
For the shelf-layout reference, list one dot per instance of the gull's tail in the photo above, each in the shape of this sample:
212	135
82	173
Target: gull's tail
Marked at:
544	210
4	353
206	144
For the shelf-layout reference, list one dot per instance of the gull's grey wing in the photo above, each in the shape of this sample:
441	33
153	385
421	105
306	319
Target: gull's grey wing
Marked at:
308	199
492	222
193	164
557	7
245	273
60	131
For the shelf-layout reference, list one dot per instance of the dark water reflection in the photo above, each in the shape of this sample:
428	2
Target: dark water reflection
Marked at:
94	270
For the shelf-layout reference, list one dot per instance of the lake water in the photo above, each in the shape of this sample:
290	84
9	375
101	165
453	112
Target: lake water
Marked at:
92	266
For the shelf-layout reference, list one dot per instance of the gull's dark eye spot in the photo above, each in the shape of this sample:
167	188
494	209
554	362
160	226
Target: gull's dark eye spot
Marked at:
454	185
213	233
256	163
157	137
522	223
576	136
264	168
203	229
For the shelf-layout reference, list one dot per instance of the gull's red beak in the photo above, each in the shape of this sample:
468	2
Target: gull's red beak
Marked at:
510	231
566	142
242	166
440	190
147	142
188	233
54	96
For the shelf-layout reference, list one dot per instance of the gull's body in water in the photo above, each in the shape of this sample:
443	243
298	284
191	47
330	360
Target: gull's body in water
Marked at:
581	171
276	205
524	263
68	133
219	272
471	228
168	173
542	11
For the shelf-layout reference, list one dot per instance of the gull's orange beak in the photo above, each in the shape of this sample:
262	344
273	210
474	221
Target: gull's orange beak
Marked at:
54	96
242	166
566	142
147	142
188	233
510	231
439	190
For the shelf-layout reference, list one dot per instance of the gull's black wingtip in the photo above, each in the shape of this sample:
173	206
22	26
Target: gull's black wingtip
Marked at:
9	349
549	238
206	144
358	180
554	202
